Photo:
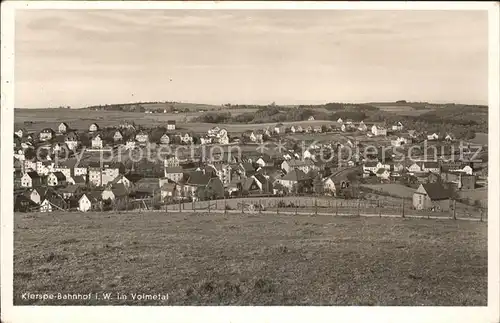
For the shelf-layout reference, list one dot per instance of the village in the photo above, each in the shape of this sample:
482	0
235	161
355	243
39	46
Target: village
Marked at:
64	168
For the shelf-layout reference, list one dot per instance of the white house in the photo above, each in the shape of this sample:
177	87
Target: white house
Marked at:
434	136
414	168
174	174
130	144
383	173
46	134
63	127
370	167
397	127
339	120
33	195
165	139
46	206
56	179
431	167
142	137
311	118
399	141
379	130
329	186
343	128
171	125
449	137
397	167
71	140
213	132
381	165
84	203
118	136
97	142
279	128
205	140
362	126
186	138
93	127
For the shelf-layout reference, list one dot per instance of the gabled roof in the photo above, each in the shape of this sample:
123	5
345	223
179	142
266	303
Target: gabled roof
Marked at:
381	171
371	164
431	164
60	176
198	179
119	190
436	191
295	175
33	175
171	122
173	170
47	130
300	163
247	183
248	167
168	187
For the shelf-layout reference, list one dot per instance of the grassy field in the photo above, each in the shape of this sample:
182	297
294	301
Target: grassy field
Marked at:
394	189
480	194
81	119
250	259
403	110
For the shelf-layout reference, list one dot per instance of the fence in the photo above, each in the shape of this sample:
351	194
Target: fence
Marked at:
325	206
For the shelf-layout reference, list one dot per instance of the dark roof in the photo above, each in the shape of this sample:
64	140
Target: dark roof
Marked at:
247	183
299	163
174	169
119	190
198	179
381	170
431	165
436	191
60	176
33	175
147	184
168	186
248	167
47	130
371	163
295	175
171	122
79	179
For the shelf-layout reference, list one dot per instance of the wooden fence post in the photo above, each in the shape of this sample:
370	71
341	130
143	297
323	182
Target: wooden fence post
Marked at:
454	209
359	211
403	206
336	208
481	212
296	206
260	207
315	206
379	210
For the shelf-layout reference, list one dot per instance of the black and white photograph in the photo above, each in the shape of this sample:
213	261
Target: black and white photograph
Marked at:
225	156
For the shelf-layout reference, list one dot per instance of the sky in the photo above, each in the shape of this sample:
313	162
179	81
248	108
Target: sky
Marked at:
86	57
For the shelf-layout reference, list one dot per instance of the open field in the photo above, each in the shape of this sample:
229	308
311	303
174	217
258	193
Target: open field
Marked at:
480	139
394	189
80	119
251	259
480	194
403	110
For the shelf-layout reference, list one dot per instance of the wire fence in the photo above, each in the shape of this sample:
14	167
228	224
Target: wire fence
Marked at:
327	206
293	205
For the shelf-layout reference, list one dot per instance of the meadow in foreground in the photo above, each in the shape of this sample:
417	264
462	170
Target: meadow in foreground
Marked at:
247	259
